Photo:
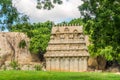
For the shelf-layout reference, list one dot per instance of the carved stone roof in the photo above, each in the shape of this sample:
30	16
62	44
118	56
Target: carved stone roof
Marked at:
67	29
67	41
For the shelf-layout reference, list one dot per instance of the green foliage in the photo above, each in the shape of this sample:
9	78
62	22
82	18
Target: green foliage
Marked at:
39	34
38	67
4	67
40	38
102	20
9	15
22	44
14	65
47	4
7	11
39	42
106	52
77	21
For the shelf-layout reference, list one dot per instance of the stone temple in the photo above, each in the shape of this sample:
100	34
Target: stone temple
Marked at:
67	50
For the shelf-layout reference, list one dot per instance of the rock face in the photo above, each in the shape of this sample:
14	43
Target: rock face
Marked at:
10	50
96	63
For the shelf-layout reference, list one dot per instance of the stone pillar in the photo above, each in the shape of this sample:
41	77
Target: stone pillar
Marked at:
71	64
52	63
80	65
57	64
62	64
85	64
67	64
76	64
48	64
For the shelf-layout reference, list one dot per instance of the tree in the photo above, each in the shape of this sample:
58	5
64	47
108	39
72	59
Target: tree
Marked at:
47	4
9	15
77	21
102	20
39	34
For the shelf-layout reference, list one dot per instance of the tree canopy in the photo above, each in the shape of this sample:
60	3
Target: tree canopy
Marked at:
9	15
47	4
102	20
39	34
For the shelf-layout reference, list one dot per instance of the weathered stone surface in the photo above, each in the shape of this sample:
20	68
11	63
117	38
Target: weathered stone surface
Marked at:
10	50
113	69
67	50
97	63
101	63
92	64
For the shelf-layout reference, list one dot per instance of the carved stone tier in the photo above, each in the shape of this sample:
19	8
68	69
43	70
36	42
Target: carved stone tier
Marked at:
66	42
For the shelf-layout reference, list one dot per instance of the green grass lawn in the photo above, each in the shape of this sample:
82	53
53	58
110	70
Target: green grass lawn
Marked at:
40	75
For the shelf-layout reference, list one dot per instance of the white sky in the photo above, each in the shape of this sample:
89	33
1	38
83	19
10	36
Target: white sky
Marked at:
65	12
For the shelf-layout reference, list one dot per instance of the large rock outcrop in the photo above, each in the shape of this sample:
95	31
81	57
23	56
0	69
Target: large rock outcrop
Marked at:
10	50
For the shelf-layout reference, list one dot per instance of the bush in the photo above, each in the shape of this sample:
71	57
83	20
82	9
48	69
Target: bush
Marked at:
4	67
38	67
22	44
14	65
